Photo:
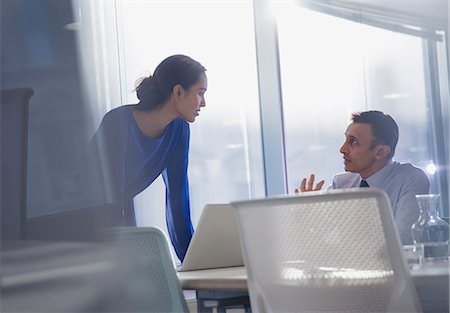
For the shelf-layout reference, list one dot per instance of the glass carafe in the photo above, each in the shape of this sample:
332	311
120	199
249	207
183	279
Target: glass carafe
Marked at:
430	230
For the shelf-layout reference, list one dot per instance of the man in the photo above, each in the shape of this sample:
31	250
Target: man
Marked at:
370	141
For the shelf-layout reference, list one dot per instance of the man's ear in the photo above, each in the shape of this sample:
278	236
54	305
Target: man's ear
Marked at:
382	151
178	92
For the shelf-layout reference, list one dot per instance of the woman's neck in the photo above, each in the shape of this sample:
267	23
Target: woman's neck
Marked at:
153	123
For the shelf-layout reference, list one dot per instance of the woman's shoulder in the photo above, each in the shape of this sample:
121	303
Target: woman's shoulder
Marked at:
118	114
178	128
180	125
120	110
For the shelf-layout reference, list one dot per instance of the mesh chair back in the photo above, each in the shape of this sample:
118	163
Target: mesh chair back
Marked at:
150	283
335	251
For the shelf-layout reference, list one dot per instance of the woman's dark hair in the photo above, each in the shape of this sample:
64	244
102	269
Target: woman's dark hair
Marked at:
384	128
154	90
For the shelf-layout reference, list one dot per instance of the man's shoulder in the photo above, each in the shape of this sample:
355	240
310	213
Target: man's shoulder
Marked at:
345	175
409	178
409	173
345	179
406	169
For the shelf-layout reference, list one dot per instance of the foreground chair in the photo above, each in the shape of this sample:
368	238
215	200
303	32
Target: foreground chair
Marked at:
335	251
150	283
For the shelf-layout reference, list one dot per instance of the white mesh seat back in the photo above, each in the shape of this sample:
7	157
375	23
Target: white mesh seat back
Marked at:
331	251
151	283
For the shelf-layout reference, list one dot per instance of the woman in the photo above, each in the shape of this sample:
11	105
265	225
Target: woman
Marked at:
140	142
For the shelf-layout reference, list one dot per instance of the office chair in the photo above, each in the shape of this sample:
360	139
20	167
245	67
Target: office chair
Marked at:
328	251
14	143
150	283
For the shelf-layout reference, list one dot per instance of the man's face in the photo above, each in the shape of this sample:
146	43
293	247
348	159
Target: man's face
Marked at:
358	152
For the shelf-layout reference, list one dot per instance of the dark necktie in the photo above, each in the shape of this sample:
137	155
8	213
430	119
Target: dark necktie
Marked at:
363	183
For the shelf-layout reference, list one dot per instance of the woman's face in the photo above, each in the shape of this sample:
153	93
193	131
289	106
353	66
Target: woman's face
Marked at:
193	99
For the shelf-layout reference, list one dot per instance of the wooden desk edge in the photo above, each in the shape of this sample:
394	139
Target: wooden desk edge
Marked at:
237	280
214	284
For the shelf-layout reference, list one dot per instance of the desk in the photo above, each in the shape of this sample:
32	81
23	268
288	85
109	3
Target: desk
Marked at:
215	286
432	286
227	278
431	281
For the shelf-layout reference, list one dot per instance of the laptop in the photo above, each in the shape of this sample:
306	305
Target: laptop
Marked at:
215	242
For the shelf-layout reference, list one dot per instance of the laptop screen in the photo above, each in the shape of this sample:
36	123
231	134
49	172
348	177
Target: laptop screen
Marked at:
215	242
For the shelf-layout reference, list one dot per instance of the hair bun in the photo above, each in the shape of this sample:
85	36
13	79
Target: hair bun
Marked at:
146	88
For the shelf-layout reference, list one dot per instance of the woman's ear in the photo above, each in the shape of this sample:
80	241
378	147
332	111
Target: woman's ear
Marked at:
382	151
178	92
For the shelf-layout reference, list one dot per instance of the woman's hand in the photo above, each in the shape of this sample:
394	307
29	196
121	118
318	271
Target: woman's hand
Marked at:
308	185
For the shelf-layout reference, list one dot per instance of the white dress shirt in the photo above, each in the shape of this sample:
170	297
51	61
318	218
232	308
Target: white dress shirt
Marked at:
401	182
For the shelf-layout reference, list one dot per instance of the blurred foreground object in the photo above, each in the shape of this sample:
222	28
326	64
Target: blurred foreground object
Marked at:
56	276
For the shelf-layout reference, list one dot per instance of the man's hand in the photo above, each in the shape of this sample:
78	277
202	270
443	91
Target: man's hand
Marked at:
308	186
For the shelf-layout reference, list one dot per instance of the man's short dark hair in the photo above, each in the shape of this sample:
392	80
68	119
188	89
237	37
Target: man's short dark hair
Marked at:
384	128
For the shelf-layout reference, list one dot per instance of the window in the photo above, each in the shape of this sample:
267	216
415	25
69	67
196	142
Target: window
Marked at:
331	67
329	64
225	152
